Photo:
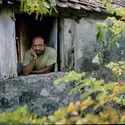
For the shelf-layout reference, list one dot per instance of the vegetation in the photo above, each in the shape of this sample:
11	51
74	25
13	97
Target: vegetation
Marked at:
20	116
100	103
110	31
39	7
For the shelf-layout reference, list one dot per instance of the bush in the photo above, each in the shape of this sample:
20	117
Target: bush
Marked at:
105	107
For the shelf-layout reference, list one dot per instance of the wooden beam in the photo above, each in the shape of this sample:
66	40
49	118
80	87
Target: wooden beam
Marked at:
8	66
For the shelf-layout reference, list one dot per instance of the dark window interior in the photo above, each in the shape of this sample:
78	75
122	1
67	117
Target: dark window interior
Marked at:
27	27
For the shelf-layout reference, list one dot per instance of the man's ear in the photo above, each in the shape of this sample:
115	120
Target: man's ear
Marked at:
45	45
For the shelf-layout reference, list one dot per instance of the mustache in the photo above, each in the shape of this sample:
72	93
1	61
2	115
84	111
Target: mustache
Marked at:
38	50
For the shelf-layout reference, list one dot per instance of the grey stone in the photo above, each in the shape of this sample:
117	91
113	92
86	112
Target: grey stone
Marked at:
59	88
37	91
44	92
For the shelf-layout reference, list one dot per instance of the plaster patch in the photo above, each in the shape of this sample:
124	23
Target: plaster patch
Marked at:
79	53
96	59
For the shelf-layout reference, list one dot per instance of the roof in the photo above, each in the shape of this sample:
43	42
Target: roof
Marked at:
89	5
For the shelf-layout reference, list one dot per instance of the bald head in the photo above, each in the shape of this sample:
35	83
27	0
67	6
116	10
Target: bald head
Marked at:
38	45
38	38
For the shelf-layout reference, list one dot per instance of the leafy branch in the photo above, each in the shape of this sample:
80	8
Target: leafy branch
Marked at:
40	7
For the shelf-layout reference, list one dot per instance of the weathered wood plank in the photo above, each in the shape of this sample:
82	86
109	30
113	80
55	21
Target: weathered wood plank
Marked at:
8	67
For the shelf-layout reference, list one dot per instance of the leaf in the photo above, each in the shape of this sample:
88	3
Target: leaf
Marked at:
113	115
101	96
87	93
122	90
116	39
43	119
46	5
98	83
100	36
70	77
50	12
112	65
61	122
92	118
60	113
108	6
3	118
118	100
58	81
121	62
123	100
81	121
71	108
55	9
101	102
86	103
101	26
109	86
52	118
75	89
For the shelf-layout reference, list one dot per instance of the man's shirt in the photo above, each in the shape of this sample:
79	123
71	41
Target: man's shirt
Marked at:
49	57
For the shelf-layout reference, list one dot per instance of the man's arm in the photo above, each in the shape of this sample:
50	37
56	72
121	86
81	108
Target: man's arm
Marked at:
29	68
43	70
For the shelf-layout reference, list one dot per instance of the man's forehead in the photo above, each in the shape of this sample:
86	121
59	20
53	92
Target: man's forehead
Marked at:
38	40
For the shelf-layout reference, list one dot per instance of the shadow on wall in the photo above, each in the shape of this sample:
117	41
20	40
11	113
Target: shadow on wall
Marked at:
85	64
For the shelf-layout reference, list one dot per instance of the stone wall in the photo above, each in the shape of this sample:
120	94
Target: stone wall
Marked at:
86	47
78	43
37	91
79	46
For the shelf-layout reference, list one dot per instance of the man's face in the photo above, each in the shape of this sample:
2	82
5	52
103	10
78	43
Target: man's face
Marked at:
38	46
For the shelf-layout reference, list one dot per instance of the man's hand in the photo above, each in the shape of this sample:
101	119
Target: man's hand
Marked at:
43	70
33	53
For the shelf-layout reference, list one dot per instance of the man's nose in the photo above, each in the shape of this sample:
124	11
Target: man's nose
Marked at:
37	47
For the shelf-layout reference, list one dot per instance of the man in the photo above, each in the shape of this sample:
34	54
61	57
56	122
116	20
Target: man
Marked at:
40	58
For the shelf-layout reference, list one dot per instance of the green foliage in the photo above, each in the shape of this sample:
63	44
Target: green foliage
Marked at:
70	76
89	110
100	28
115	26
91	86
109	33
40	7
20	116
105	94
118	69
118	11
101	58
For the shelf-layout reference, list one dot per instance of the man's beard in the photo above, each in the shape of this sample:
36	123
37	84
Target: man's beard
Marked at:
38	52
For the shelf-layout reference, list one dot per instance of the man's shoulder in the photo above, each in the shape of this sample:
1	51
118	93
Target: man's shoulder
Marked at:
28	52
50	50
